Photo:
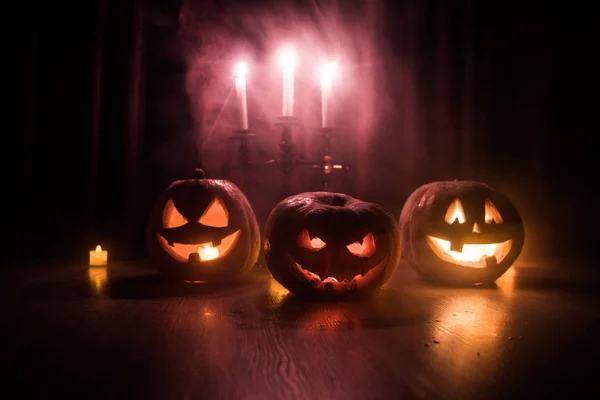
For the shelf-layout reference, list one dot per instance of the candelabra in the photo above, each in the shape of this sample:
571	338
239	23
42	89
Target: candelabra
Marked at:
288	161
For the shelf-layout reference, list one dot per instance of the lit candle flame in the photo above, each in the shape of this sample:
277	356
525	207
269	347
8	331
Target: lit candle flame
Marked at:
288	58
329	71
241	69
98	249
208	252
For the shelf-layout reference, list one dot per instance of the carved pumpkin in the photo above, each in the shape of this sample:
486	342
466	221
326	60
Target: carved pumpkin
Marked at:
203	230
460	232
331	245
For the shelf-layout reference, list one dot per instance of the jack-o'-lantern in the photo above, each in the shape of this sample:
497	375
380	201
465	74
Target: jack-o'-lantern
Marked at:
332	245
460	232
203	230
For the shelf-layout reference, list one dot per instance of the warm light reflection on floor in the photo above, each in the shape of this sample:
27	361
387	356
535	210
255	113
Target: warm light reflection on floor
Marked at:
506	283
333	317
98	278
277	293
467	324
470	325
329	315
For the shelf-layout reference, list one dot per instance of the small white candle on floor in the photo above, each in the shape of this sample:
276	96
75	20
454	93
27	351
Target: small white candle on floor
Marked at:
98	257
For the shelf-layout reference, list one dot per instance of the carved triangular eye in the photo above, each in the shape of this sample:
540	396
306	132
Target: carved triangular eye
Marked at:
171	217
314	244
216	214
491	213
364	249
455	213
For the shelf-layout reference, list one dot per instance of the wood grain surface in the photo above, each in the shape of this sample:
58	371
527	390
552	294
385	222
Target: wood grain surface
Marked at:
121	332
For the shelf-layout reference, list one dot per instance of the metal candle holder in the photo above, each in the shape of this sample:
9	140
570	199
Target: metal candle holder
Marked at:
327	166
287	161
243	137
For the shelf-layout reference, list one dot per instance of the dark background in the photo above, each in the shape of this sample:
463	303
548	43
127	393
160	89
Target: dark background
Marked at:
501	93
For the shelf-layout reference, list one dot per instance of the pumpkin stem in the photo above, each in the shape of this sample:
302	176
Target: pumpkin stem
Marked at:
338	200
200	174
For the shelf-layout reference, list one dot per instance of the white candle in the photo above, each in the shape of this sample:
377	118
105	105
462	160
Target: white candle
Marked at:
326	90
98	257
240	89
288	60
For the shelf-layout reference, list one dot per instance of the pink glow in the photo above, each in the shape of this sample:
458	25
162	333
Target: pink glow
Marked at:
241	69
271	37
328	72
240	90
288	59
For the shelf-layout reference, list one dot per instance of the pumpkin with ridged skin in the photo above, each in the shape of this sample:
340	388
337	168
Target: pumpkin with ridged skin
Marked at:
203	230
331	245
460	232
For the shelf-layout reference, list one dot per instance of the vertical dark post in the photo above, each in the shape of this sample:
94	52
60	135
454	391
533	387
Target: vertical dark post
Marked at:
95	119
30	121
467	125
327	165
241	139
135	120
443	126
27	137
244	151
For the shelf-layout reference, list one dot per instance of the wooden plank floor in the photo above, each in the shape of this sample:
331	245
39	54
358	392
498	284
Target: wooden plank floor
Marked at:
121	333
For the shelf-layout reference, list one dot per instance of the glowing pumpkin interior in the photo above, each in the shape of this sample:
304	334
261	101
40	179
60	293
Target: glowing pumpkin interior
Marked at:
215	215
479	255
365	248
361	249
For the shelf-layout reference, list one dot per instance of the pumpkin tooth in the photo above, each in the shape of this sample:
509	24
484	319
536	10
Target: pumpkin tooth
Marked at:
491	261
369	275
311	276
455	246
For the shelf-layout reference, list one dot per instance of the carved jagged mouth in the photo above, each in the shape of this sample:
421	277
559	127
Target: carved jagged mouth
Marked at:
331	284
471	255
181	252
